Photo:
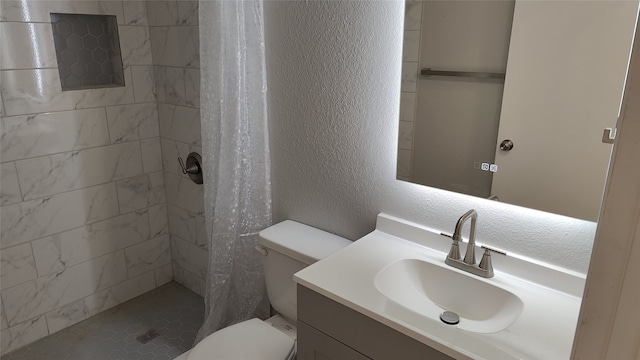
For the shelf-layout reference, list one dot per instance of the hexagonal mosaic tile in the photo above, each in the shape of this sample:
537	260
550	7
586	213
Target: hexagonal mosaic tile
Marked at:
88	50
173	312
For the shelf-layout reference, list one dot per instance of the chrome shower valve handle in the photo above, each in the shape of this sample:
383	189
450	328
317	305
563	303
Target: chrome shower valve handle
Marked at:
192	167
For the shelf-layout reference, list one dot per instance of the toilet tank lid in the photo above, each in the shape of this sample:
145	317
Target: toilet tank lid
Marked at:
301	242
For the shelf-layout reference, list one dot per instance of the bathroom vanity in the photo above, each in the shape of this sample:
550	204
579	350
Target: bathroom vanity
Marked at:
381	298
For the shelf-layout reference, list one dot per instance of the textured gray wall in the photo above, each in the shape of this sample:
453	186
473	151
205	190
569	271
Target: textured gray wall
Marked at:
334	81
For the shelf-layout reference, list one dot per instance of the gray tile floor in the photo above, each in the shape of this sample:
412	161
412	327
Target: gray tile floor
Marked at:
174	312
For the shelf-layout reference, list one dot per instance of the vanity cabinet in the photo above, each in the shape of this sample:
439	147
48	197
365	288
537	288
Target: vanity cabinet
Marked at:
328	330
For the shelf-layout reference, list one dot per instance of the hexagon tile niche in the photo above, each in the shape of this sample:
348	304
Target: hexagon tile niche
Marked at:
88	51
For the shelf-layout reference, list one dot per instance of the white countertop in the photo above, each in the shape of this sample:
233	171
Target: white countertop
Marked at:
544	330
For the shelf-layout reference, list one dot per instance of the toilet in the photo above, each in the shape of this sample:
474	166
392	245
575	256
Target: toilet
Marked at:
288	248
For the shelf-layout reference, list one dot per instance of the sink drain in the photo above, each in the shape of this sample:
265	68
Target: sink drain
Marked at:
449	318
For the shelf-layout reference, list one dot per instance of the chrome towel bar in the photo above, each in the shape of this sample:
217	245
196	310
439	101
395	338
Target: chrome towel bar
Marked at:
471	74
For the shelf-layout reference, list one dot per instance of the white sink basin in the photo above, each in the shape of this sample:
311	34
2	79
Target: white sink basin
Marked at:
428	289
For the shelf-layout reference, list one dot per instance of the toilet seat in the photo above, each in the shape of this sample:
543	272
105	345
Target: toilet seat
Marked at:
249	340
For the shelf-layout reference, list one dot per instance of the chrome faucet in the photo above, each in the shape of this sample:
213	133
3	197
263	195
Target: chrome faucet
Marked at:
485	268
470	255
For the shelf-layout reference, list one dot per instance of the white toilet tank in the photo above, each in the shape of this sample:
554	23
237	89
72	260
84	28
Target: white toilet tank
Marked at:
292	246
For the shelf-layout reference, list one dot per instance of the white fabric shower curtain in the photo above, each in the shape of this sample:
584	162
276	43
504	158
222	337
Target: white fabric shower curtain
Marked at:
235	160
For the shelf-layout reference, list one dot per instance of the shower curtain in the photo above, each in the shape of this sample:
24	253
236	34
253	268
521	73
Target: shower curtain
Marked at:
235	144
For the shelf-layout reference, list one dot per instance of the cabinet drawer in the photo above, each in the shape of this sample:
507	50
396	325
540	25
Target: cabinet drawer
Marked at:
361	333
314	345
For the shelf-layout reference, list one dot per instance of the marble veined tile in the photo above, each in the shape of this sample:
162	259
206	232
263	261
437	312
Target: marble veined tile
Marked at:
48	292
147	256
135	12
188	12
164	274
192	87
184	193
201	233
28	136
405	135
38	10
36	91
182	223
179	123
162	13
411	46
3	319
17	265
9	187
132	122
413	14
140	192
144	84
175	46
68	248
409	80
91	305
174	86
79	310
159	75
407	106
151	155
189	257
30	43
135	45
158	220
171	150
52	174
34	219
23	333
188	279
404	163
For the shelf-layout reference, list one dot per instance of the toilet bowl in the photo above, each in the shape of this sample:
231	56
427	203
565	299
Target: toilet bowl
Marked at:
288	248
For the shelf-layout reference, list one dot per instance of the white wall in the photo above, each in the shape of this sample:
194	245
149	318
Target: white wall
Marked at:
334	81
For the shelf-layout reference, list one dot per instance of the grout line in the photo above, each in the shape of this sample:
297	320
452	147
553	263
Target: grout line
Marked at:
124	16
46	322
81	226
79	109
106	119
144	172
80	149
33	68
35	266
92	186
100	291
15	167
97	107
115	183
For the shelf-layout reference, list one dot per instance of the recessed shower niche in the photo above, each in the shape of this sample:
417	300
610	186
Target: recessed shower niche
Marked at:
88	51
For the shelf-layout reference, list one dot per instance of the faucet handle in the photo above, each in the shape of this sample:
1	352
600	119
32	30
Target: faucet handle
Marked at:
485	263
487	249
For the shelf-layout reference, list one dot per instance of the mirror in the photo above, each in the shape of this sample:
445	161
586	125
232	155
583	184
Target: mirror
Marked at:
509	100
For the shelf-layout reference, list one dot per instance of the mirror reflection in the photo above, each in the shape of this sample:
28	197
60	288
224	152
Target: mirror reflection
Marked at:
509	100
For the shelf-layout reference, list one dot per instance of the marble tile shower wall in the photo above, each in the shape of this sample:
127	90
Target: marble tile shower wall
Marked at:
410	59
175	46
84	222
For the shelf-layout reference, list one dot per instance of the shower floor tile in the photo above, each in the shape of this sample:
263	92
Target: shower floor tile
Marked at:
171	313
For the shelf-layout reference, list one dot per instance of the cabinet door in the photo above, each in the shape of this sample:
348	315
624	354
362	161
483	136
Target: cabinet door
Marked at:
315	345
